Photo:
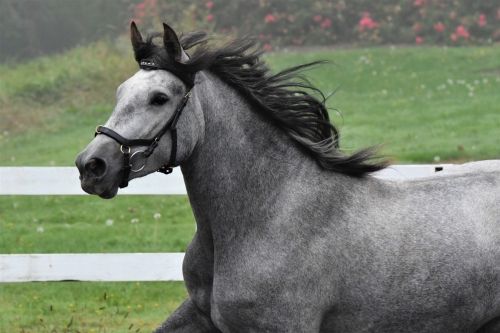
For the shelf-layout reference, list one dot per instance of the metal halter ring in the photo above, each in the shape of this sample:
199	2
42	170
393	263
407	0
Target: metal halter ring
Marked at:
132	156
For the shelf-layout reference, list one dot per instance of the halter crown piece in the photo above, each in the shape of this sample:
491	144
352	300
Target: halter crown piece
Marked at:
171	126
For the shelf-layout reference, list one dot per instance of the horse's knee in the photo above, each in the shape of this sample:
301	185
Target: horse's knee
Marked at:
186	319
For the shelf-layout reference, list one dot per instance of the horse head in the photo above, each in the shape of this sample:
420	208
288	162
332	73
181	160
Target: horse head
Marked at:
148	130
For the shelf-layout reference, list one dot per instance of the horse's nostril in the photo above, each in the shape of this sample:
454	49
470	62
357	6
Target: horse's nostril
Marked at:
96	167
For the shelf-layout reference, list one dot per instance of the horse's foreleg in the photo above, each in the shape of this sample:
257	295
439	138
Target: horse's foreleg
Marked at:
189	319
491	327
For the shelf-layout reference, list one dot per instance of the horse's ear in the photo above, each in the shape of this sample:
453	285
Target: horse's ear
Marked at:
136	37
171	42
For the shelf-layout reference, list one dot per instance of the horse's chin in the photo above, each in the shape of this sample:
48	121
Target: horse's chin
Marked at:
104	191
109	193
111	190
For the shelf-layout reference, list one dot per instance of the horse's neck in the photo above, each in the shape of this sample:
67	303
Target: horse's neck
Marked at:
242	164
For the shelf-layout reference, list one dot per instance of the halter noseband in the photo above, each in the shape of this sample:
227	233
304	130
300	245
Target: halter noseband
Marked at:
151	143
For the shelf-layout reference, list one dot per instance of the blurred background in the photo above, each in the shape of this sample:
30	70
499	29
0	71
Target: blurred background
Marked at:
34	28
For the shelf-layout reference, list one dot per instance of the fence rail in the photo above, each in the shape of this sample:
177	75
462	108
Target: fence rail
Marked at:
117	266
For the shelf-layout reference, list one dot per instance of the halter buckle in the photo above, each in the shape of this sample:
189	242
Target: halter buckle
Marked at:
165	170
121	149
151	148
96	131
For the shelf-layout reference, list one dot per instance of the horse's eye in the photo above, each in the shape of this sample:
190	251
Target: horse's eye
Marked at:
159	100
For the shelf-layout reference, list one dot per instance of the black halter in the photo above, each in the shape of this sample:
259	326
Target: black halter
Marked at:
151	143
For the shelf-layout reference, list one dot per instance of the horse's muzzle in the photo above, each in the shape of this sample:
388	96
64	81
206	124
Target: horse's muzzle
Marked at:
92	171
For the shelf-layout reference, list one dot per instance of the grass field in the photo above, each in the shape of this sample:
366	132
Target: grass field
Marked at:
425	104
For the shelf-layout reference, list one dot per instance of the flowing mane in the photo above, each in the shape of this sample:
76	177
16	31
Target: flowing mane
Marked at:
284	97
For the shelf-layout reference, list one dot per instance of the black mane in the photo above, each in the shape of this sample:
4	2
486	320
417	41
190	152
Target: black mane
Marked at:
283	96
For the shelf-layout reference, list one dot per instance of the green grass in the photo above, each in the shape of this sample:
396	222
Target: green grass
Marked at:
69	224
415	100
88	307
403	98
75	224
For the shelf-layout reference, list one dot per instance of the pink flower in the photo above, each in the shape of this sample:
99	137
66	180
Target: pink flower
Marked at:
261	36
326	23
482	20
209	18
419	3
452	15
318	18
441	5
416	27
298	41
419	40
267	47
439	27
209	4
367	23
422	12
139	9
453	37
223	30
462	32
270	18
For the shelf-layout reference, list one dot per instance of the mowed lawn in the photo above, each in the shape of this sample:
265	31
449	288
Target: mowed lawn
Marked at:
425	104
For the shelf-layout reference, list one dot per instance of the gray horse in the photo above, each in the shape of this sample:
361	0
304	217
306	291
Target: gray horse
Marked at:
293	235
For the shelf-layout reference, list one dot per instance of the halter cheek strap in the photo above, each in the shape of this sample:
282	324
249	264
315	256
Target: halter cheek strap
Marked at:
151	143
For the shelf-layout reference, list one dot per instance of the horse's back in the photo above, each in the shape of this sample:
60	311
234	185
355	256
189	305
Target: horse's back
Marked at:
468	194
468	184
473	167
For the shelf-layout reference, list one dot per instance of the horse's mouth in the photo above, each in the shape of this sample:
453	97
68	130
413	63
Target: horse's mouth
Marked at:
91	186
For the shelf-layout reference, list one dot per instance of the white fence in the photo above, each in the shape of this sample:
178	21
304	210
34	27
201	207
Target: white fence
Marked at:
121	266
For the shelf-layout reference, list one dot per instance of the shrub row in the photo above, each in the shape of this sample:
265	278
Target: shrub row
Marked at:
298	22
33	28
